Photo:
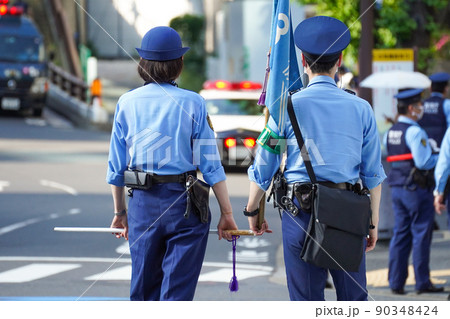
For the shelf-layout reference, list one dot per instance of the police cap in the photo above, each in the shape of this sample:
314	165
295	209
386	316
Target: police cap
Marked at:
161	44
322	38
440	77
409	96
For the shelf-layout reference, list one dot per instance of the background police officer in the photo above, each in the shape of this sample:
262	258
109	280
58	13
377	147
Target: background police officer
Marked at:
340	131
412	203
441	173
155	131
436	115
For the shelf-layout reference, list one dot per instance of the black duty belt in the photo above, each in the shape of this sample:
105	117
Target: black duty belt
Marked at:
162	179
293	186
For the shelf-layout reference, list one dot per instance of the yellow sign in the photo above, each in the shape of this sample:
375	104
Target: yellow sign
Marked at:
392	55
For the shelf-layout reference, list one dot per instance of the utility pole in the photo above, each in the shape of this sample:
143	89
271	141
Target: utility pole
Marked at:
365	46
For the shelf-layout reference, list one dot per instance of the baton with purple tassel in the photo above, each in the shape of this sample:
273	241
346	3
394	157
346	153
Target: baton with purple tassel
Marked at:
234	285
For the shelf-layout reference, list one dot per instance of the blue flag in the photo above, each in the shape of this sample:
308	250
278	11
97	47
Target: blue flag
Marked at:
282	74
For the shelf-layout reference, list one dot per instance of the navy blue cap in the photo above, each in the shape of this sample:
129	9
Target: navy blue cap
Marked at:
161	44
322	38
440	77
409	96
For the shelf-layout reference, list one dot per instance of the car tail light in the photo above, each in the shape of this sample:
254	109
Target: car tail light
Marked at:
5	10
226	85
248	85
230	142
217	85
249	142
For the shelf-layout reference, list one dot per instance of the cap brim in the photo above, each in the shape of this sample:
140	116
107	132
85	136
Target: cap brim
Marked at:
162	55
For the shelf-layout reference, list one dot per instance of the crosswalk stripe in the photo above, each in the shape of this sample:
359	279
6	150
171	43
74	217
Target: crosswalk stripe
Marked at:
33	272
224	275
121	273
40	270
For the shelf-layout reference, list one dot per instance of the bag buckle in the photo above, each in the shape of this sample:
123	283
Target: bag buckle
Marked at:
289	205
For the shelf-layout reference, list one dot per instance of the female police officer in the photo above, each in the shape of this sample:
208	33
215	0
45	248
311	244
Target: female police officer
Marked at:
344	134
164	131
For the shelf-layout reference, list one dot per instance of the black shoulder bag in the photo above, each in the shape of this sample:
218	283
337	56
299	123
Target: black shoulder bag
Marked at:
339	221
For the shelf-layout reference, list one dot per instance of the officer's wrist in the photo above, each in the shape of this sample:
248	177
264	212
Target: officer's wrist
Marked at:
121	213
250	213
437	193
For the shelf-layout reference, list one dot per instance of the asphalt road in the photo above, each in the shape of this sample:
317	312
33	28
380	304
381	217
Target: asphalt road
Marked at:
53	174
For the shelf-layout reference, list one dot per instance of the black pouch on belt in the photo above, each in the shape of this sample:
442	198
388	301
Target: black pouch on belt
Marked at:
137	180
304	192
198	192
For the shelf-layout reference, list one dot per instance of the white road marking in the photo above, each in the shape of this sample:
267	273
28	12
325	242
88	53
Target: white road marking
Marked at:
35	220
121	273
3	184
66	259
39	270
15	226
251	243
74	211
59	186
123	249
35	122
34	271
224	275
250	256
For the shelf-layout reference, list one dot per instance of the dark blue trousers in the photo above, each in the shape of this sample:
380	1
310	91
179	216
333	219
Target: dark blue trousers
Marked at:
167	250
413	226
306	281
448	212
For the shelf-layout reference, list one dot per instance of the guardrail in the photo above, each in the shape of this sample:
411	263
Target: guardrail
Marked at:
67	82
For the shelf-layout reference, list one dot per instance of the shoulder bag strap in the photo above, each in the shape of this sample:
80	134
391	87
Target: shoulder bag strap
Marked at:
300	141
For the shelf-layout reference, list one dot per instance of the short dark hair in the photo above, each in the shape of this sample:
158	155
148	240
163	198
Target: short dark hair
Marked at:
317	66
402	108
160	71
438	86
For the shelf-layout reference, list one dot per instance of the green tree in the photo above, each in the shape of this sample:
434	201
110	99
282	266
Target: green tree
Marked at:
397	24
192	31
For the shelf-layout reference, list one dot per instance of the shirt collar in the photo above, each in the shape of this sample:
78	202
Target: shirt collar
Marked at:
436	94
322	79
407	120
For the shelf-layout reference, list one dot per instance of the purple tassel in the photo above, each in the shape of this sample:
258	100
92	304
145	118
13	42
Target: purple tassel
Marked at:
262	98
234	285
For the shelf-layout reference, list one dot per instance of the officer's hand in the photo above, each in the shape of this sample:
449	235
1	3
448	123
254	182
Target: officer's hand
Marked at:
372	239
439	204
120	222
253	224
226	222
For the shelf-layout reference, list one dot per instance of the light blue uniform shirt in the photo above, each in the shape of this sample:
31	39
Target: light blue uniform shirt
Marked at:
162	129
340	133
442	169
417	140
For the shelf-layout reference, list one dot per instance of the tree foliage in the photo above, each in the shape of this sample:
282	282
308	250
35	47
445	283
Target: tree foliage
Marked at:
192	32
419	24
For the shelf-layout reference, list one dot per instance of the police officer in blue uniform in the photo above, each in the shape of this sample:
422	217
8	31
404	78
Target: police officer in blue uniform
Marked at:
436	113
340	132
441	173
163	132
412	200
436	116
